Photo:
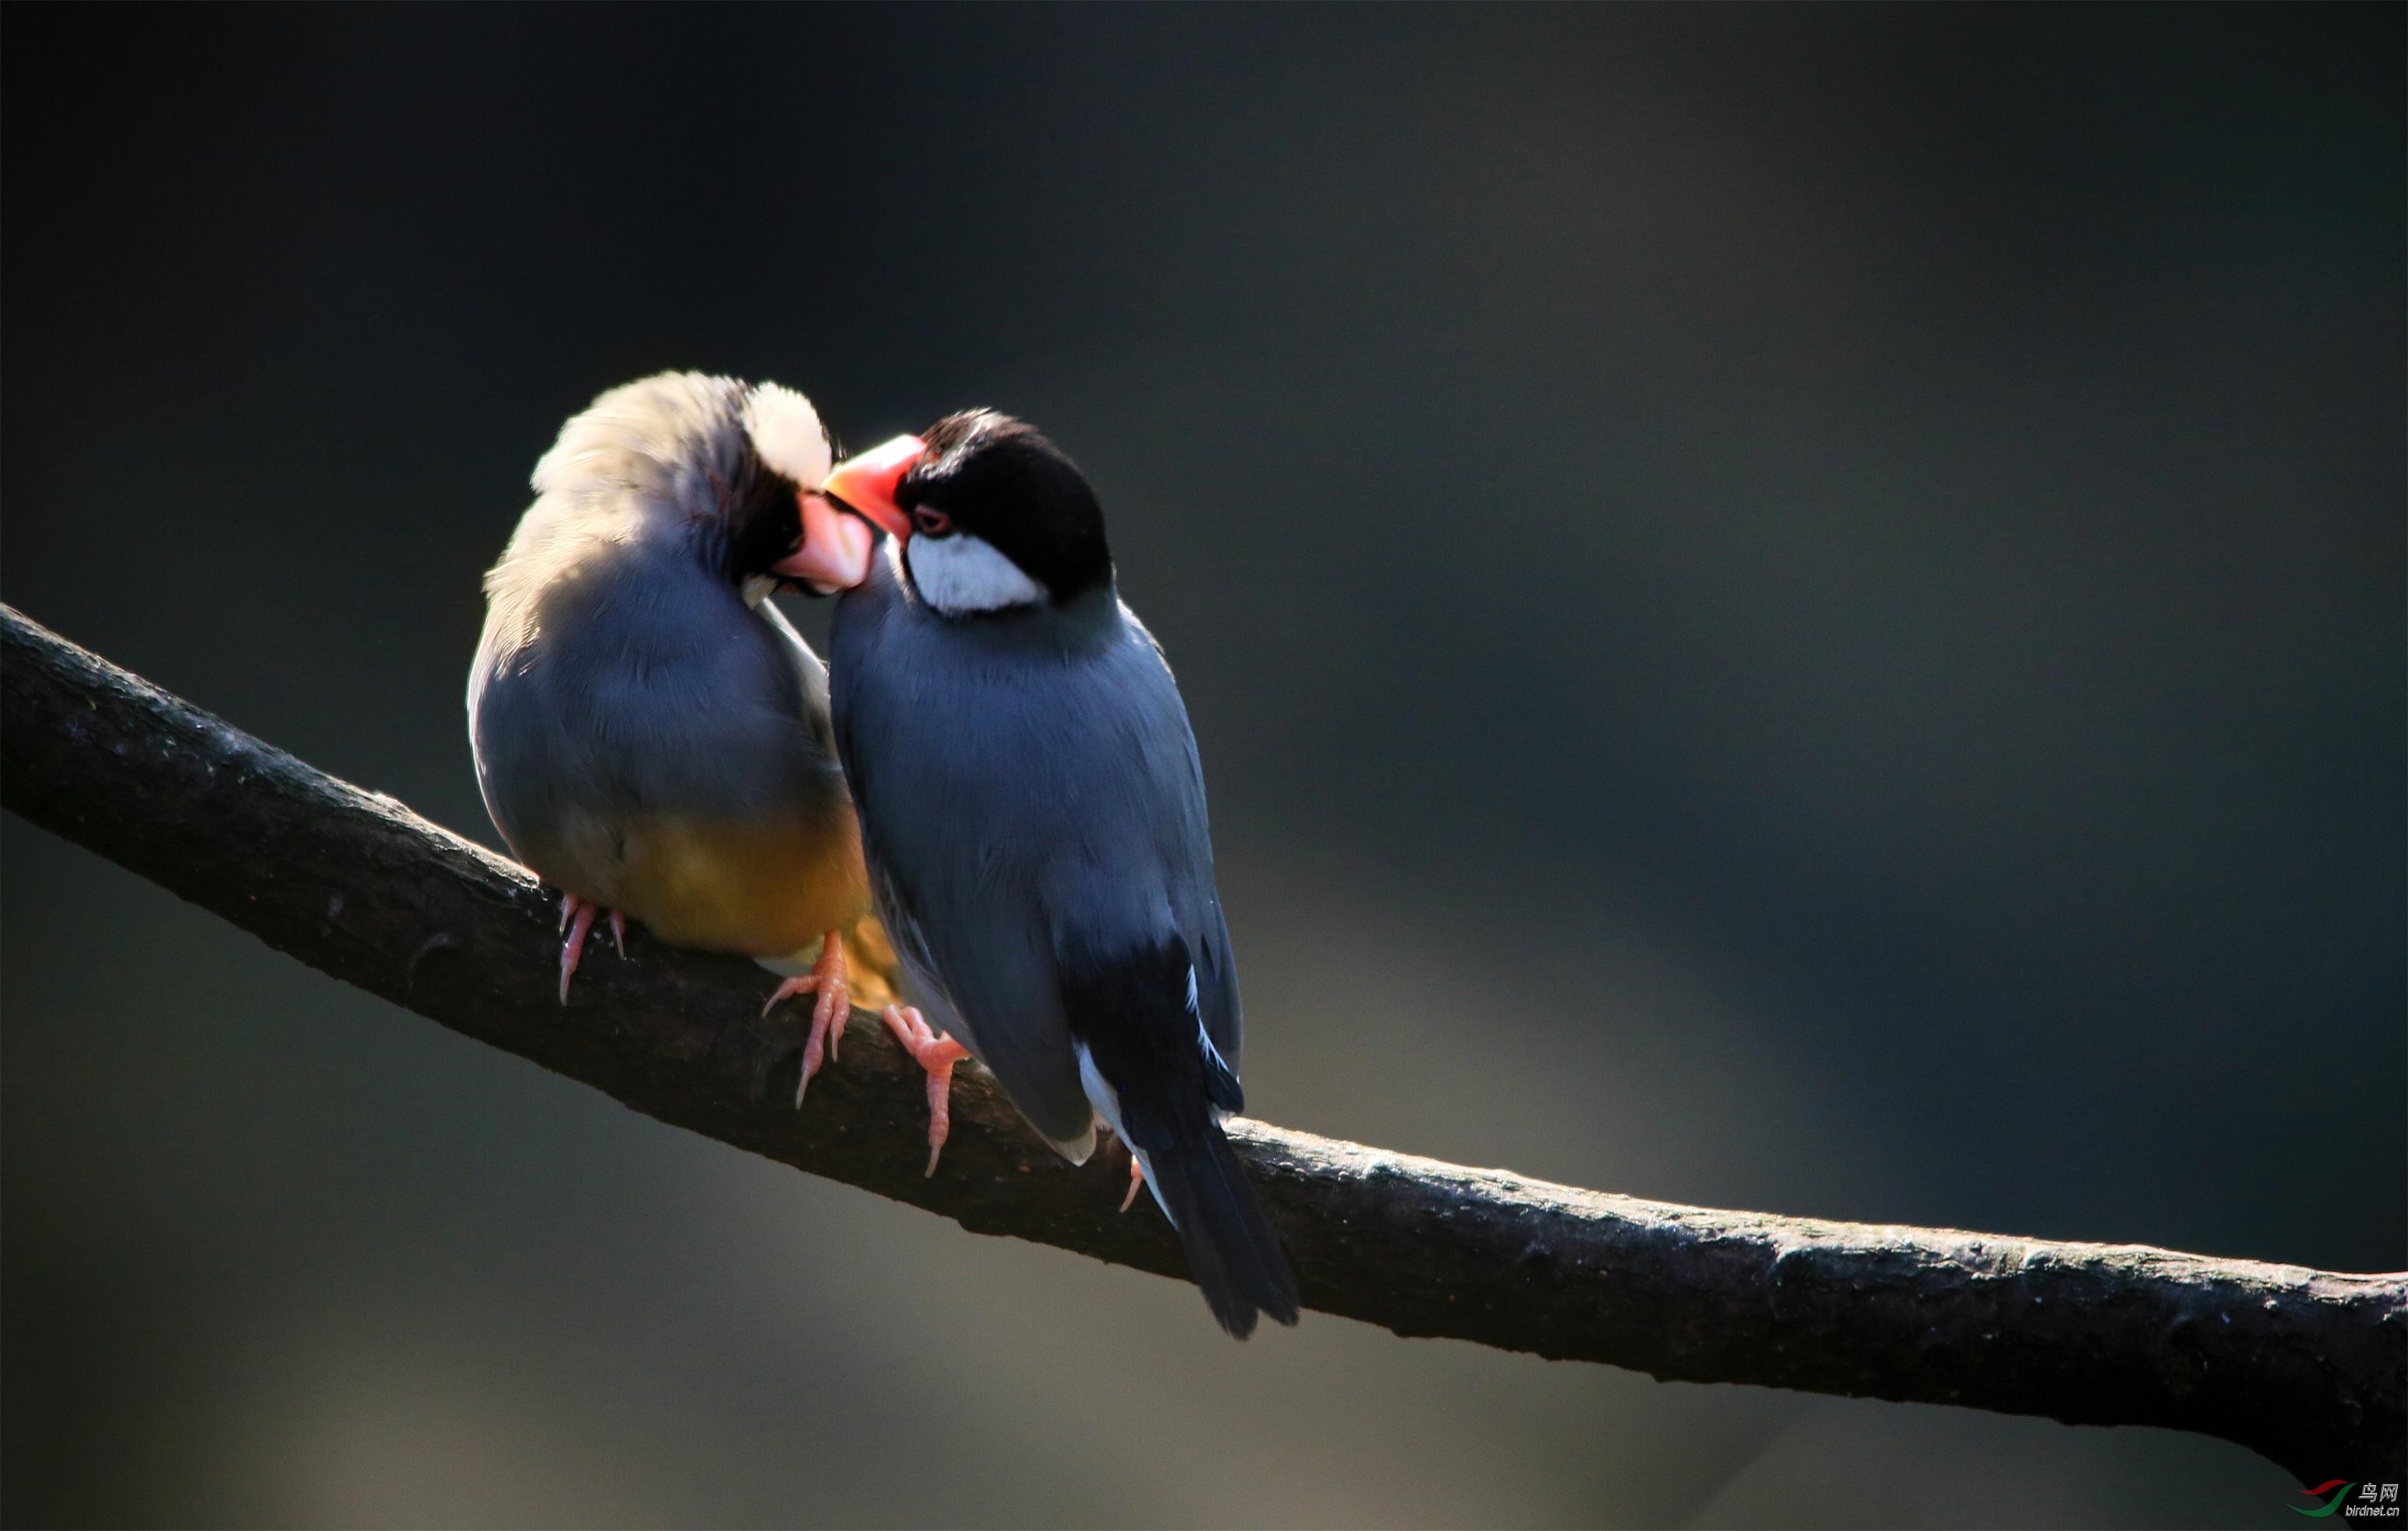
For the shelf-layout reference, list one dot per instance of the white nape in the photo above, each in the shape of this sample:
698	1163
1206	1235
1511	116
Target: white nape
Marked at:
961	574
787	433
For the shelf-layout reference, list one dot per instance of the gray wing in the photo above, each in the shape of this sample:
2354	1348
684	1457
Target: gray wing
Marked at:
1216	980
637	689
1195	906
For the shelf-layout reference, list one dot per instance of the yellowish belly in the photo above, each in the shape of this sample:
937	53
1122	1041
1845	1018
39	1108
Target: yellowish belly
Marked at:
762	890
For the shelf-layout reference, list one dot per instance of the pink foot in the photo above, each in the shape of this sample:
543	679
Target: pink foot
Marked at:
828	1014
576	918
936	1055
1136	1181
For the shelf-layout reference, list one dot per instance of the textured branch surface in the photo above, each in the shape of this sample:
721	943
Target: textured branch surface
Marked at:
2306	1366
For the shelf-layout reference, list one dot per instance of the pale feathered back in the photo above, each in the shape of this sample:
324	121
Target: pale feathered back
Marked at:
635	468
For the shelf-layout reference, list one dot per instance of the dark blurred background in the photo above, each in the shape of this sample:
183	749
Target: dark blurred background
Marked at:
1798	610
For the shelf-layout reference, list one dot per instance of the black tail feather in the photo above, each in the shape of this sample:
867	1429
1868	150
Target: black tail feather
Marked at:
1231	1248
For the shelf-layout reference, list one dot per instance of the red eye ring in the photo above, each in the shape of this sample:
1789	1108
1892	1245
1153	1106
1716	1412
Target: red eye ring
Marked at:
930	522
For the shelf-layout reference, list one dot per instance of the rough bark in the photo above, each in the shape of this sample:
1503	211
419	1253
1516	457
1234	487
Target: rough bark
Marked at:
2305	1366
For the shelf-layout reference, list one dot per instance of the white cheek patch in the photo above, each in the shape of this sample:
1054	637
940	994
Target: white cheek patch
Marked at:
961	573
786	432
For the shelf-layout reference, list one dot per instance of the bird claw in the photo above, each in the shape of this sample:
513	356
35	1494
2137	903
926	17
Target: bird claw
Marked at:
828	1012
937	1053
576	918
1136	1181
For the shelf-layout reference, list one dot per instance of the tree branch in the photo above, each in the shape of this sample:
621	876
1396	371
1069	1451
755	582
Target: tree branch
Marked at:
2308	1367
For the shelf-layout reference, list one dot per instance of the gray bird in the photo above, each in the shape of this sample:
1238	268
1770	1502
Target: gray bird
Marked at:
651	737
1033	814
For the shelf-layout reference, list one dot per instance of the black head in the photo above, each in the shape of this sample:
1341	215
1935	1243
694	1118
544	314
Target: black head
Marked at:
987	477
756	521
775	527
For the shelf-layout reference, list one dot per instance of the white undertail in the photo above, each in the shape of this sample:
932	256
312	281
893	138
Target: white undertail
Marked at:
1106	1102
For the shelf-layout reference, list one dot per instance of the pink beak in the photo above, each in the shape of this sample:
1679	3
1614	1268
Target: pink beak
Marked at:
866	482
835	554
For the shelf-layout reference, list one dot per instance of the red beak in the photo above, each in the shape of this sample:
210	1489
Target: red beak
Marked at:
835	554
866	483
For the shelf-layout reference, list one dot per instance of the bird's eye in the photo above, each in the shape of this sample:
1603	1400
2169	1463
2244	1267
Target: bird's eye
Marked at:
930	522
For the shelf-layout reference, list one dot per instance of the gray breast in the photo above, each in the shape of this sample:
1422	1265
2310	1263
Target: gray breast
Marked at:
1017	781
